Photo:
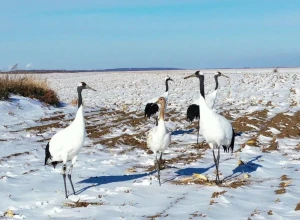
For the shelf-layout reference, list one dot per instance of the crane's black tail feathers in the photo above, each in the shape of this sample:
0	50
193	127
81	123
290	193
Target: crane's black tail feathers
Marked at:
193	112
48	156
151	109
231	146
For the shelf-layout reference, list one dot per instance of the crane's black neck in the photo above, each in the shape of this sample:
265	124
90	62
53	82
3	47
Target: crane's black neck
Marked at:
201	79
79	90
217	82
167	85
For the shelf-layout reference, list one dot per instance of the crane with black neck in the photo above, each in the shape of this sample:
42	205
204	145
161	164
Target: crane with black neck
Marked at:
65	144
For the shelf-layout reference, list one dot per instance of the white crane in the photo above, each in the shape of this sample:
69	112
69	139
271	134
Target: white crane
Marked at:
152	108
193	109
159	138
65	144
216	130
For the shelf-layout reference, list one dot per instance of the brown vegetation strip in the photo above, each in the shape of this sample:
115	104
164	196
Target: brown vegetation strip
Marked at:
186	158
57	117
235	184
43	128
31	171
256	118
14	155
287	125
83	204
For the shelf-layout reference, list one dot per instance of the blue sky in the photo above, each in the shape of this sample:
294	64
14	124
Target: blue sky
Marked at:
96	34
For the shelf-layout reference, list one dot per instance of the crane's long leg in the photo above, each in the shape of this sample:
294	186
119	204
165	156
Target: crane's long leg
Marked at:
70	178
216	164
161	164
198	132
158	169
70	173
160	158
64	169
218	160
156	121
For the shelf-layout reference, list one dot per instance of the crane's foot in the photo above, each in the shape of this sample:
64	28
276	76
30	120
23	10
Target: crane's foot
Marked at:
218	181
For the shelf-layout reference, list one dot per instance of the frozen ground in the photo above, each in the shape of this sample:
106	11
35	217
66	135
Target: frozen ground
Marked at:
114	175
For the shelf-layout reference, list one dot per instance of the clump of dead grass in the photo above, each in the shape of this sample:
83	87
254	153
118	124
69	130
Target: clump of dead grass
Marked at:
83	204
27	86
218	194
297	207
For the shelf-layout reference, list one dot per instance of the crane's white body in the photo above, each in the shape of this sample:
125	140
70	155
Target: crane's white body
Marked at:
215	129
159	138
66	143
209	99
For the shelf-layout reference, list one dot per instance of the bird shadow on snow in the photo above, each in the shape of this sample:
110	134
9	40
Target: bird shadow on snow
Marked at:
100	180
189	172
14	99
248	167
178	132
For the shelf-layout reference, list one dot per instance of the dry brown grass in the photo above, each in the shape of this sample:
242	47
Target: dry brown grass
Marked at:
27	86
14	155
233	184
297	207
280	191
83	204
218	194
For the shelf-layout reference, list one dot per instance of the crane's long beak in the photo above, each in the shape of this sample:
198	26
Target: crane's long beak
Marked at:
224	75
193	75
171	80
90	88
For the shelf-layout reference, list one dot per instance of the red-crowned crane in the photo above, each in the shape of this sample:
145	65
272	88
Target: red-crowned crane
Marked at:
193	109
159	138
66	143
152	108
215	129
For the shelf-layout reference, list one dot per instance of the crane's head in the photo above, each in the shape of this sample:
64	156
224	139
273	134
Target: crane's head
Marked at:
83	85
168	78
197	74
218	73
161	101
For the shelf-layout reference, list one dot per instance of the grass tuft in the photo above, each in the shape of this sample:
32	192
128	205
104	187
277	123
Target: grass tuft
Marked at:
27	86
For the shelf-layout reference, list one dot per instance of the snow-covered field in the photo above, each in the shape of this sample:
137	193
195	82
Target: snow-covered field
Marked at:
114	175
